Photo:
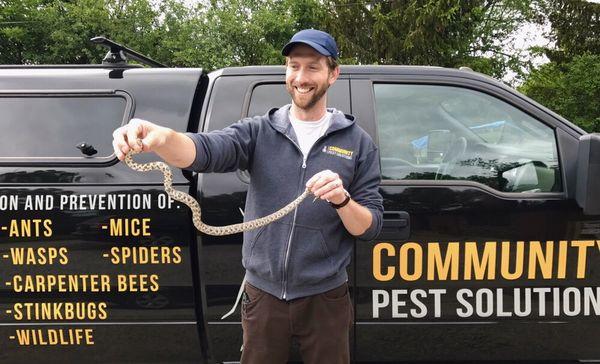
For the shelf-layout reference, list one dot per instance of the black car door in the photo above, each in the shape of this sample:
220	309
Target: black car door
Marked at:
500	263
223	195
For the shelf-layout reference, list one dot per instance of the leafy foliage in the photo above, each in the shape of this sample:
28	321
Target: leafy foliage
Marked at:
213	35
570	83
575	29
572	89
241	32
43	31
428	32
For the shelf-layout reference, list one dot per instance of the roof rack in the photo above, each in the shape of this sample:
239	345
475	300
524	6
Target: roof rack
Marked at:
117	54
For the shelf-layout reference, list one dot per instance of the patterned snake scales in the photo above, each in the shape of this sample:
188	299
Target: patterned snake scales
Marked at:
195	206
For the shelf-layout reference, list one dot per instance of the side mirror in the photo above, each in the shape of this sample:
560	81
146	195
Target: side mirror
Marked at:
587	190
438	142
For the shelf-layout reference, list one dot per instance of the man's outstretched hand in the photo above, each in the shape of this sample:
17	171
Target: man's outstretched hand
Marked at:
139	135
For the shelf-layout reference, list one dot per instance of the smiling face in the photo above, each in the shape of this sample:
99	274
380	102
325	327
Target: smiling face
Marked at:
307	79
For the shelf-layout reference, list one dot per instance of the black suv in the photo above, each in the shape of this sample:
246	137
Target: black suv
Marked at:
489	250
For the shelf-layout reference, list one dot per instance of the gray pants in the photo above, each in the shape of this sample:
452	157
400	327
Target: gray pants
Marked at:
321	324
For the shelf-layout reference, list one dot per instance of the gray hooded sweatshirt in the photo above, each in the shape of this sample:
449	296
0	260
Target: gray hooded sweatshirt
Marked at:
307	251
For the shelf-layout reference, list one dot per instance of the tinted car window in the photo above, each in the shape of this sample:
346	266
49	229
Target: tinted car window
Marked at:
267	96
431	132
51	127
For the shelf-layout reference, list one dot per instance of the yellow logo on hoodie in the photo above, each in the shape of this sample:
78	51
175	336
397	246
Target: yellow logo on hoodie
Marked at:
338	152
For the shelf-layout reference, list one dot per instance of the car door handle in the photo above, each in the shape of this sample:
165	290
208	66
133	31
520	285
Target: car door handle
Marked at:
395	220
396	225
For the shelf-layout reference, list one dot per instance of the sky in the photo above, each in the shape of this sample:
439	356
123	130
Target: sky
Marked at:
527	36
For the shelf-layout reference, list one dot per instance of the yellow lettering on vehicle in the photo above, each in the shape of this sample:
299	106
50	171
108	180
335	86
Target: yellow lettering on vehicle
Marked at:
137	283
30	228
542	258
417	252
487	263
505	260
450	263
145	255
377	252
582	246
129	227
60	283
561	272
481	261
59	311
51	337
39	256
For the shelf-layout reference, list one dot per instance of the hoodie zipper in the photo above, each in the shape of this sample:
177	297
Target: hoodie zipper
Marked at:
287	250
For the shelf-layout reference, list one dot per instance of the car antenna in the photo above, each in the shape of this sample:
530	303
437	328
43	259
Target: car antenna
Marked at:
117	54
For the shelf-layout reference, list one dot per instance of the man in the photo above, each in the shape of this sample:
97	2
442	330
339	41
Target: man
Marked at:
295	267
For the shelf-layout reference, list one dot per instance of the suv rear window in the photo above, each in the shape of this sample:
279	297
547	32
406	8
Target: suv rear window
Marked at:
49	126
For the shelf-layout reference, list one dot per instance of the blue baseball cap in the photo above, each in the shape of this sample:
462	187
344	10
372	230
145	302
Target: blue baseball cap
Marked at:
321	41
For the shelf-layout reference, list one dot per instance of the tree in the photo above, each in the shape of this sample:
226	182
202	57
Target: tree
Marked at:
212	35
252	32
575	29
570	83
428	32
44	31
572	89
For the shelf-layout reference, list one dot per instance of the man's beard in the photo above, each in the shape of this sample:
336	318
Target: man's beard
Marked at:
318	93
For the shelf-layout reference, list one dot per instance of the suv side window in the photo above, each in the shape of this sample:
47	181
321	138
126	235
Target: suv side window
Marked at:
34	126
267	96
430	132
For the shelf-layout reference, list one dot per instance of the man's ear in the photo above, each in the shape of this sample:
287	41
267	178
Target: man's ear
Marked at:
333	75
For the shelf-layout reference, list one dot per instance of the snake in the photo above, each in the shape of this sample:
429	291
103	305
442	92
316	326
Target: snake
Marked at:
195	206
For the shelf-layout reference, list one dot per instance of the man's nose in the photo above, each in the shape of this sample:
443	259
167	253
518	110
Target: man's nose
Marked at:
300	76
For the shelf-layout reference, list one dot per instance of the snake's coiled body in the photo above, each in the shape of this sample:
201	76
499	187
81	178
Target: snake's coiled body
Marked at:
195	206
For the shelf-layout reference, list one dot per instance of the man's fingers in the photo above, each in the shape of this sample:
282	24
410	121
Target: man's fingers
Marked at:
120	149
134	133
330	196
314	178
330	186
318	183
129	137
120	146
326	185
323	180
319	176
119	134
147	142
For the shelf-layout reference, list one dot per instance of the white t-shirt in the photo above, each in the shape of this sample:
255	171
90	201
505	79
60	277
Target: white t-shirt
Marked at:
308	132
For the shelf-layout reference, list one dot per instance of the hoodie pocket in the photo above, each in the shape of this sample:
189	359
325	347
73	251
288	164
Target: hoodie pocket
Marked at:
310	260
265	252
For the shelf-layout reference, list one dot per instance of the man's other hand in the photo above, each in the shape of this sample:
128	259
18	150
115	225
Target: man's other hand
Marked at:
327	186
